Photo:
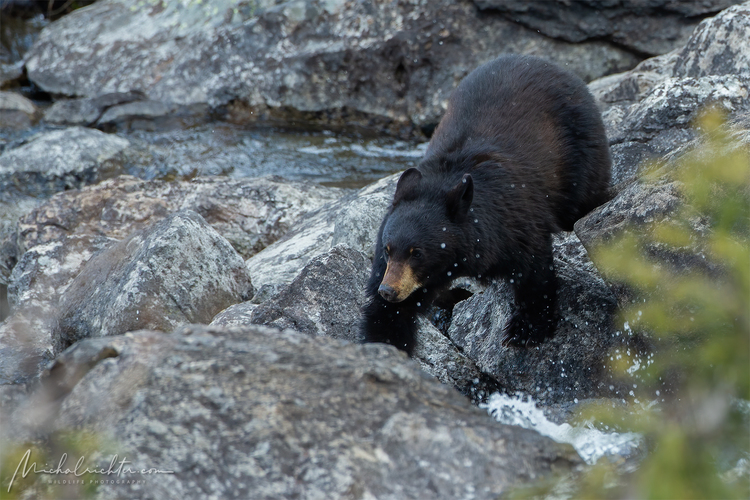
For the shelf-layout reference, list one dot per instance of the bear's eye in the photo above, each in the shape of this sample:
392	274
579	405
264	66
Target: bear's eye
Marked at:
416	253
387	252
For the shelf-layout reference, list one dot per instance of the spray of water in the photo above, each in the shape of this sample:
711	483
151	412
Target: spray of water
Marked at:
590	443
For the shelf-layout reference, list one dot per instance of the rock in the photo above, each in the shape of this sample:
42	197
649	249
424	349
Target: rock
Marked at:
55	241
257	412
654	199
10	73
352	220
87	111
439	356
324	299
336	63
45	164
250	213
652	28
178	272
570	365
650	110
638	204
57	160
16	111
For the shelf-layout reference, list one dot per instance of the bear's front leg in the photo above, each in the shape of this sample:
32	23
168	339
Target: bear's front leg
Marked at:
390	323
535	317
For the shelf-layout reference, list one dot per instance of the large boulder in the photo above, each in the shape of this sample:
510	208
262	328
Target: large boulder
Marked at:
54	242
179	271
352	221
16	111
57	160
50	162
652	28
250	213
324	298
650	111
260	413
335	62
176	272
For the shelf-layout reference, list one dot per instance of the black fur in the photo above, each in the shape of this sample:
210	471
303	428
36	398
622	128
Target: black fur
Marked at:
520	153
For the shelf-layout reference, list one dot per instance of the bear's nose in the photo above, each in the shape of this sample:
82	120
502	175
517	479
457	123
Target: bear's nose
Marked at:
387	292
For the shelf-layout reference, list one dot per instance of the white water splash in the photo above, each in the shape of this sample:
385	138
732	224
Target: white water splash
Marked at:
590	443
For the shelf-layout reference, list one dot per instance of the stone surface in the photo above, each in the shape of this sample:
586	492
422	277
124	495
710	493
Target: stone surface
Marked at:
53	243
352	220
16	111
653	27
255	412
338	63
177	272
650	110
57	160
250	213
44	164
570	365
324	298
87	111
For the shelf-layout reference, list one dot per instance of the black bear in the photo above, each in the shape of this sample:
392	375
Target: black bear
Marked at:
520	153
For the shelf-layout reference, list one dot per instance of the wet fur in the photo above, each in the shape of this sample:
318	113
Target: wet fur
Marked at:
529	138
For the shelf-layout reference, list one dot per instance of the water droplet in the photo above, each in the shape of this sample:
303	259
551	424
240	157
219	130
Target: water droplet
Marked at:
449	273
476	220
445	229
476	255
455	264
442	245
419	304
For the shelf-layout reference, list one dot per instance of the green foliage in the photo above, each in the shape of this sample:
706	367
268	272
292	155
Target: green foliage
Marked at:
689	276
24	467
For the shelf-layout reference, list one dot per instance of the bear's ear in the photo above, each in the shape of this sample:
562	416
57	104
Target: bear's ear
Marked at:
460	197
407	183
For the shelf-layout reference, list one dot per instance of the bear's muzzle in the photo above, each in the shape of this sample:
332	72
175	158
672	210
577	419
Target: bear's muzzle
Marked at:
398	283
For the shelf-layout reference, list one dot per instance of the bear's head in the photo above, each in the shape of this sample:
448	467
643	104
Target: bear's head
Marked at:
421	235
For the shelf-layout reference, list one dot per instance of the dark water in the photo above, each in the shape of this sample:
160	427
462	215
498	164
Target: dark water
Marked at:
222	149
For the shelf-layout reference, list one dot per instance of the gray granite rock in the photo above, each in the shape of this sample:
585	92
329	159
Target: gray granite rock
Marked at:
261	413
352	220
650	111
653	27
177	272
338	63
16	111
570	365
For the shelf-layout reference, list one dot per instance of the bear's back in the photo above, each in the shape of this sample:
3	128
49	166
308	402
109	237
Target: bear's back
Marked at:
541	118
